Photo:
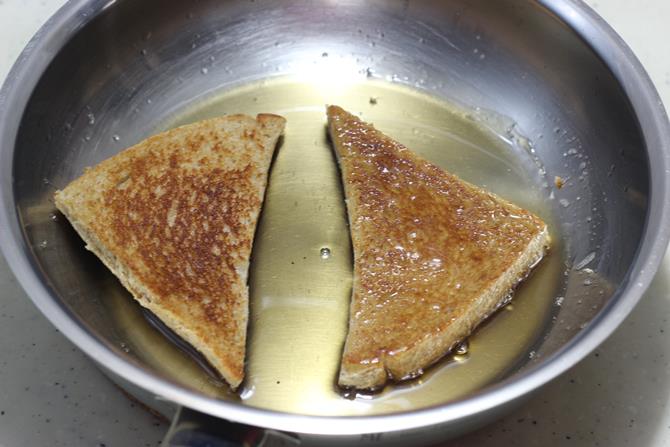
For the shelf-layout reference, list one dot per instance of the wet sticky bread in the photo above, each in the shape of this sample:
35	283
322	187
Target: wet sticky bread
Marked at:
433	255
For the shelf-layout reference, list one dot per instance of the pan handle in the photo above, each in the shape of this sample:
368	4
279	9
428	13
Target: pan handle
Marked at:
193	429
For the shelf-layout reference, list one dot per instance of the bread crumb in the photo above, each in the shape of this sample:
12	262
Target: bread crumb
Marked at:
559	182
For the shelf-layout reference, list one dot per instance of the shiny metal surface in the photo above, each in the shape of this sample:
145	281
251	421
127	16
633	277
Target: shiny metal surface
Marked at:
102	75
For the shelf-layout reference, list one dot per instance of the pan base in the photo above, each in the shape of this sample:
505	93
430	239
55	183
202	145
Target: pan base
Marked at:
300	275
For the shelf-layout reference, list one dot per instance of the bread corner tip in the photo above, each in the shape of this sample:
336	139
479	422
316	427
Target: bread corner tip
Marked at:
270	117
334	110
370	377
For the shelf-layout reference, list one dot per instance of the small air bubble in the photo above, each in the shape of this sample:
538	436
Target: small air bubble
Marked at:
204	70
42	245
144	51
325	253
564	203
91	118
116	137
462	348
559	301
53	217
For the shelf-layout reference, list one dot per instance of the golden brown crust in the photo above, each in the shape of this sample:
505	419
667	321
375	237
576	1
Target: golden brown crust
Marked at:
433	255
174	217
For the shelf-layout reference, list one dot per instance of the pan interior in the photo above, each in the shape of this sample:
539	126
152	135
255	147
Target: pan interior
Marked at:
300	278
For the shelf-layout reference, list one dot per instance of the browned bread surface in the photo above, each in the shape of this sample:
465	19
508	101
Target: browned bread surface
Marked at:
174	216
433	255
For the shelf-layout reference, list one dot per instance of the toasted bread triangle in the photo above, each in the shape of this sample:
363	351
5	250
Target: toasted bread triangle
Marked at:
174	216
433	255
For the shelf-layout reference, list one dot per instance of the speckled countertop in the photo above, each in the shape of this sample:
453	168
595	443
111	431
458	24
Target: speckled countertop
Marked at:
52	395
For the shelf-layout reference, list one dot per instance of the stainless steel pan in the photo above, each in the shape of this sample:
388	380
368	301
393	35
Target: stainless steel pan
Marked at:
510	94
